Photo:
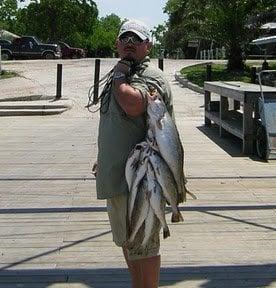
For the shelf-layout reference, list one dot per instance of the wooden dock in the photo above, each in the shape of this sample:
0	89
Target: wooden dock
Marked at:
55	233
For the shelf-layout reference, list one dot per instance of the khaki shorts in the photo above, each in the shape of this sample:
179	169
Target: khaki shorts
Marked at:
117	213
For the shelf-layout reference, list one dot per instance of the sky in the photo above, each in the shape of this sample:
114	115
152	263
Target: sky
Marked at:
148	11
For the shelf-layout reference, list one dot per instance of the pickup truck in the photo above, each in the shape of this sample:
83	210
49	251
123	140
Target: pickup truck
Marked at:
29	47
71	52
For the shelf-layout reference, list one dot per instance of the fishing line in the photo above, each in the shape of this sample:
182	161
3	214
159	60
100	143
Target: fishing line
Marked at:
104	97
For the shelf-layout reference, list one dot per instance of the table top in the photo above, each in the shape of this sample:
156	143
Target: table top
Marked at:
240	86
238	90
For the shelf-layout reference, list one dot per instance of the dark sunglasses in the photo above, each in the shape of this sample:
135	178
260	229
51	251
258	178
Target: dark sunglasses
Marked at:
131	39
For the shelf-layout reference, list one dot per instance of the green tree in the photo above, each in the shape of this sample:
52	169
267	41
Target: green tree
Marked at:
223	21
227	22
102	41
8	10
158	40
53	20
185	23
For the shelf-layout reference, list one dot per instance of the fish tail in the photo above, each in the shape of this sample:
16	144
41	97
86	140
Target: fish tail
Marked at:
166	232
177	217
180	197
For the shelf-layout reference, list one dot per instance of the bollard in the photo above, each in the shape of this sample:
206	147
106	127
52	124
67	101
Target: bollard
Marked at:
161	63
208	72
265	65
0	62
59	81
96	80
253	73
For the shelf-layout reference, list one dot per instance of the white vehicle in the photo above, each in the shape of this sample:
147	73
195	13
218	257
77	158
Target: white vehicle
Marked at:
265	46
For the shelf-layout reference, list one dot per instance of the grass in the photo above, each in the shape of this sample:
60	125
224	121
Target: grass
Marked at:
197	74
7	74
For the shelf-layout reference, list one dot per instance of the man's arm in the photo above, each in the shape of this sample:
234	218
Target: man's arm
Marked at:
130	99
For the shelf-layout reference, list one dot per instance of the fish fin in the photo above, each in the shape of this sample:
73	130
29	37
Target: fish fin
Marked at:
191	194
166	232
177	217
182	197
94	169
159	124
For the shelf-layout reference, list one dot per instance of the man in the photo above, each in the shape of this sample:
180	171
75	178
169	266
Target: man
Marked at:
123	125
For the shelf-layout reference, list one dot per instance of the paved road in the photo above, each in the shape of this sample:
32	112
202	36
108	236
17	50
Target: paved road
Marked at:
54	233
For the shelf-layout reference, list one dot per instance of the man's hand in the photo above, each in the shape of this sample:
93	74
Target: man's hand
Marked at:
123	66
130	99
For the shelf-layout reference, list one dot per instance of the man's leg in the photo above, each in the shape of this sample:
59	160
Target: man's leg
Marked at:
148	270
135	273
144	272
117	213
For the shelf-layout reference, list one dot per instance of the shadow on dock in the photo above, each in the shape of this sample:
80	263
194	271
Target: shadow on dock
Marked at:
231	144
206	276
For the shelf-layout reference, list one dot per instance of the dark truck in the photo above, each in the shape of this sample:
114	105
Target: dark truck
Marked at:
29	47
71	52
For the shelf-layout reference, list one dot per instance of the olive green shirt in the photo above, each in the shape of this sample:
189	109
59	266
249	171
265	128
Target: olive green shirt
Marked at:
119	133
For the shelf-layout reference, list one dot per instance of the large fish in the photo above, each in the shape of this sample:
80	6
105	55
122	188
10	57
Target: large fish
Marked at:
166	180
157	200
149	227
133	162
168	142
139	175
140	210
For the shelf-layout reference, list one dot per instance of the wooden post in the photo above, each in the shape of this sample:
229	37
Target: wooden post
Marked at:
207	98
248	127
96	80
253	73
161	63
208	72
265	65
0	62
223	109
59	81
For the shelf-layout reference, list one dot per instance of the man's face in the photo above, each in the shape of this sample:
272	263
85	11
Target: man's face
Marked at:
131	47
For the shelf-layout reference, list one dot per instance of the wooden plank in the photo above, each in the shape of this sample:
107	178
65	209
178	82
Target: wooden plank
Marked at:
224	90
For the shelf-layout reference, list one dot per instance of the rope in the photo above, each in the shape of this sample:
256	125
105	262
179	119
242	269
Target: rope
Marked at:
104	97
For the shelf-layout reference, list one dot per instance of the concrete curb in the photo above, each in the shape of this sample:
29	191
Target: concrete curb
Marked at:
35	107
28	98
182	80
30	112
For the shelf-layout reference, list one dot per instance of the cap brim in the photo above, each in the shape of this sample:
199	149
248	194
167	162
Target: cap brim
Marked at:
139	34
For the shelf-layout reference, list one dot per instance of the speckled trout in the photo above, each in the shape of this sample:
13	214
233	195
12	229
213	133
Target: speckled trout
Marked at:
168	142
166	180
141	209
133	162
137	178
157	200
